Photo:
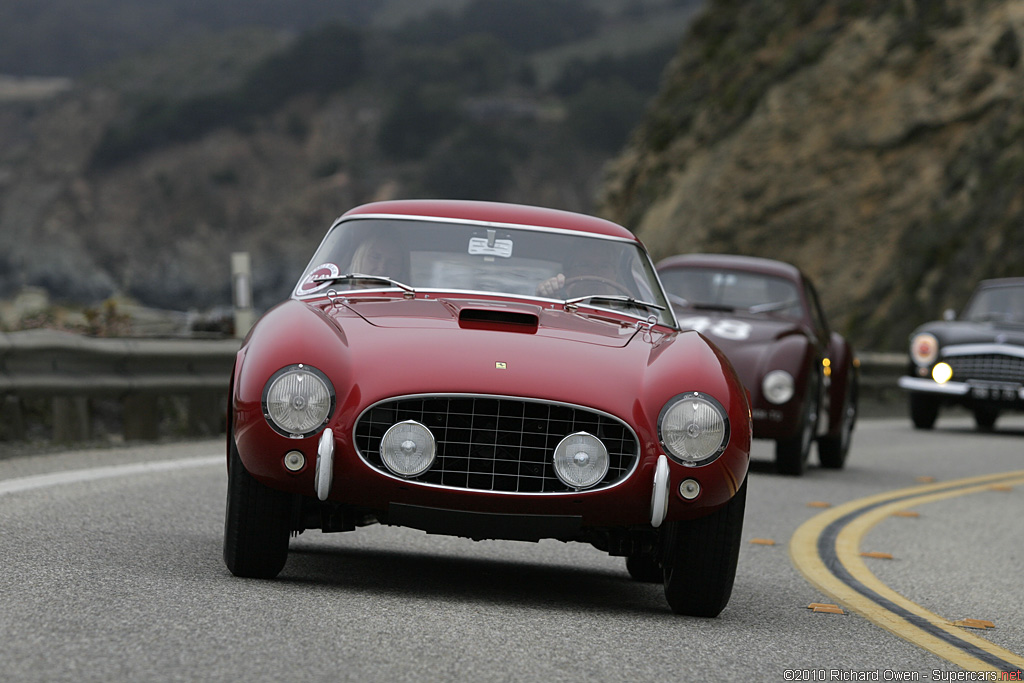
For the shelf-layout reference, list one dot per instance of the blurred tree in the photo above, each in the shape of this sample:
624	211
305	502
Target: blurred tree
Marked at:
417	118
476	163
602	115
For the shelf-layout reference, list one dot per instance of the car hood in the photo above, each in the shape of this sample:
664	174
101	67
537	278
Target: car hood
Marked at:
524	318
747	341
410	347
958	332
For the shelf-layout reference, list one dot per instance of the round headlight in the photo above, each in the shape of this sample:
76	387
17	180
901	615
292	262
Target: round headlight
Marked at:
924	348
777	387
297	401
581	460
407	448
693	428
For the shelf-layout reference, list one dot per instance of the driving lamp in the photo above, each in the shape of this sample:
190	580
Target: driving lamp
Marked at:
693	428
581	460
407	448
942	373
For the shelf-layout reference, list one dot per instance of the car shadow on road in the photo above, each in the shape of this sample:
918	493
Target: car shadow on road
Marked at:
491	581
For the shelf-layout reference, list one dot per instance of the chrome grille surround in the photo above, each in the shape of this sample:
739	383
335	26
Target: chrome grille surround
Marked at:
991	366
497	444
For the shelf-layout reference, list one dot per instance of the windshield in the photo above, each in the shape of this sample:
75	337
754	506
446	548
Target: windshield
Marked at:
445	256
1002	303
731	290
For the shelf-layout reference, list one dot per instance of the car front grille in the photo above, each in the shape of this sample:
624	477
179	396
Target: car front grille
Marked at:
488	443
988	367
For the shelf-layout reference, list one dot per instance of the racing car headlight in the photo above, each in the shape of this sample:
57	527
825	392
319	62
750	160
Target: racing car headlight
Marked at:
407	448
298	401
924	348
581	460
693	428
778	387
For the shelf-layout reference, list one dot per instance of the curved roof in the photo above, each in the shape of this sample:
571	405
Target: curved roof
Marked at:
754	264
493	212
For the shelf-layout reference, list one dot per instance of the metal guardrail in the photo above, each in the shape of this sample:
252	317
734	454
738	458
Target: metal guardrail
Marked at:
71	371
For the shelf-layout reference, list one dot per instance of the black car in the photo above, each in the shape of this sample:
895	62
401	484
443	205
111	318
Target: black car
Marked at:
975	360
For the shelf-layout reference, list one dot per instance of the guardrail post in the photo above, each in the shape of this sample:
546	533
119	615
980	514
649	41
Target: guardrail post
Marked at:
140	417
12	419
71	419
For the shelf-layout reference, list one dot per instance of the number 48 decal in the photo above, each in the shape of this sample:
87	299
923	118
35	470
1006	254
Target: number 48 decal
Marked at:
726	329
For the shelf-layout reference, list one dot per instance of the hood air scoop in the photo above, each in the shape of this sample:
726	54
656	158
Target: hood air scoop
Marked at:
498	319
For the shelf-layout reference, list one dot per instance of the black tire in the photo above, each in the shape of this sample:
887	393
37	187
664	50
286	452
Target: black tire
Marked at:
700	557
924	410
833	449
257	524
645	568
791	454
985	417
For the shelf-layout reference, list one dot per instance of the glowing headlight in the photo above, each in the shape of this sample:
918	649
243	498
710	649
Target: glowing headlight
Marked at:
777	387
924	348
407	448
693	428
581	460
298	400
942	373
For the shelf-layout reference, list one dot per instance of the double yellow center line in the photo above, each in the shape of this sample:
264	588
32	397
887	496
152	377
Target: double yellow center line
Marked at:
826	549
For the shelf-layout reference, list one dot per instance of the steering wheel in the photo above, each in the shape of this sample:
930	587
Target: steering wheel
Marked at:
618	286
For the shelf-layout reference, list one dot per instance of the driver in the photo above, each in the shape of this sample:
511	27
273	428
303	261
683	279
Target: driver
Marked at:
583	271
377	255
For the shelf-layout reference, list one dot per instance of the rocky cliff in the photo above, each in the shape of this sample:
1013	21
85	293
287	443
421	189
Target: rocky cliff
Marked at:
877	145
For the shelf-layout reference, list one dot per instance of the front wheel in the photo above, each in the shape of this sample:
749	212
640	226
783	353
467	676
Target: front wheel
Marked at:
924	410
791	454
700	559
257	524
832	450
985	417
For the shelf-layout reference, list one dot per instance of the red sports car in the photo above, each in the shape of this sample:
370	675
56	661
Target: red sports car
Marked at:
765	316
490	371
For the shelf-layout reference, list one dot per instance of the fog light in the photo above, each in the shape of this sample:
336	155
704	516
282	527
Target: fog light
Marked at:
407	448
294	461
689	489
581	460
942	373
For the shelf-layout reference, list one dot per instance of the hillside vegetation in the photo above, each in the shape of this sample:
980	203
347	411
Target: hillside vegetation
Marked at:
141	180
878	145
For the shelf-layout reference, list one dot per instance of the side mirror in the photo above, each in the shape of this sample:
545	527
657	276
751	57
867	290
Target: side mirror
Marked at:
949	315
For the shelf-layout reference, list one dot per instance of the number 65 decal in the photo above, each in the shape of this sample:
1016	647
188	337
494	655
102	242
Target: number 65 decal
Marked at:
726	329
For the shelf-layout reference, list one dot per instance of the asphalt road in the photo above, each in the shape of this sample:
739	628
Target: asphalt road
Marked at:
111	570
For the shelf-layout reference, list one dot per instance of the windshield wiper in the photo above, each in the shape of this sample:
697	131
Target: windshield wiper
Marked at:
772	306
363	276
616	298
714	307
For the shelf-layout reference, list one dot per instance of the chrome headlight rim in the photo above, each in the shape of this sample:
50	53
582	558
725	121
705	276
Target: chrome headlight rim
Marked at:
308	371
425	449
778	387
711	455
590	446
924	349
